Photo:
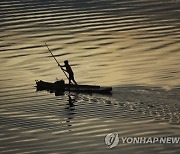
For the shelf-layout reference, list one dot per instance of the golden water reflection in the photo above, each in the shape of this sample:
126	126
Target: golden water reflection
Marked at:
105	44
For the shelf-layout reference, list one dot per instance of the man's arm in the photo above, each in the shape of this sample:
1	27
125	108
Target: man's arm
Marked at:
61	66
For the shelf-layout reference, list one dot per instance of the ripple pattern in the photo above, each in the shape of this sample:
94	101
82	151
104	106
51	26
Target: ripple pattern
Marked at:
121	42
42	123
108	42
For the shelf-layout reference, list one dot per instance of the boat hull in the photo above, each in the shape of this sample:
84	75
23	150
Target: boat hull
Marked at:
59	86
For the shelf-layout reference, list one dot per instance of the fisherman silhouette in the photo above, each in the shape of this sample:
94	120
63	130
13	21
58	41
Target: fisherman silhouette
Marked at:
69	71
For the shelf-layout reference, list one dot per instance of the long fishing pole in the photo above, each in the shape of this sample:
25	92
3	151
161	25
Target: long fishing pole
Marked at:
56	61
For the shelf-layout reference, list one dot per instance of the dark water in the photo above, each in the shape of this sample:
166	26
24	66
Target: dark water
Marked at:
130	45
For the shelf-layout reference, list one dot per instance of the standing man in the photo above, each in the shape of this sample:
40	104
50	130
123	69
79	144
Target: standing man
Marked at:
69	71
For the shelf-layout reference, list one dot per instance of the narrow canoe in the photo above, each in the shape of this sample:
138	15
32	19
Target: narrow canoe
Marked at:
61	87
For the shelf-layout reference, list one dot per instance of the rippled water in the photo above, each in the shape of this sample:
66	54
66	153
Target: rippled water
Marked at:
116	43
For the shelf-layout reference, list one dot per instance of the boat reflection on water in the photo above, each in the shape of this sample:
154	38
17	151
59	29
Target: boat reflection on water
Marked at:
71	100
70	108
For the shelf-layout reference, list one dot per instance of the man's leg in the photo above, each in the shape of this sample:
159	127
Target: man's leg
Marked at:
72	78
69	81
75	82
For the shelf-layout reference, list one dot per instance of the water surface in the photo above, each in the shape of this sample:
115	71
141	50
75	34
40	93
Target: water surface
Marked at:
130	45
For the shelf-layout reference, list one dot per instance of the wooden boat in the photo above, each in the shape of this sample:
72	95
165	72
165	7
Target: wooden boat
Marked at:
60	86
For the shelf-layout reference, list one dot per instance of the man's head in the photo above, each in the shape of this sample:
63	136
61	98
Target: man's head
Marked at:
66	62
